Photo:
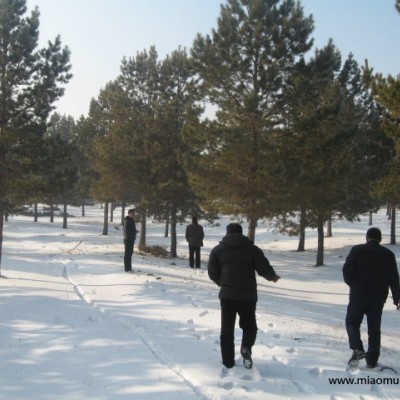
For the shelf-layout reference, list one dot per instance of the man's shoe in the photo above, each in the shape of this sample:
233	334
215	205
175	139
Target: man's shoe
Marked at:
229	365
371	365
356	357
246	354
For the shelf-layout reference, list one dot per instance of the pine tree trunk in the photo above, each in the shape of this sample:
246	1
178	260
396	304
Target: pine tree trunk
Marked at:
166	232
370	218
143	228
302	231
1	234
105	223
393	225
52	213
2	196
329	227
112	212
320	251
251	234
122	214
83	209
65	216
173	233
35	212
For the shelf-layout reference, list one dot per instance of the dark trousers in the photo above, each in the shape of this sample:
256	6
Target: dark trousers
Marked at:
128	254
194	251
357	308
247	322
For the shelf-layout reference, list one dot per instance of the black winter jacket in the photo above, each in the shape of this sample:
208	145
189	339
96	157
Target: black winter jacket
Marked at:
194	235
232	265
129	229
370	269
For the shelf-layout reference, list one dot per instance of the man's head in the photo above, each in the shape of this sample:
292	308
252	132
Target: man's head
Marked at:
234	228
131	212
374	234
194	219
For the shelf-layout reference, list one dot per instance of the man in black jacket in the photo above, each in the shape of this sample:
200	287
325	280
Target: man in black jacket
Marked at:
370	270
129	238
232	266
194	236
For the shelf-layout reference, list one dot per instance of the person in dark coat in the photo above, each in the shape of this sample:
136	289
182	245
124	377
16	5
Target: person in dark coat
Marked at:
129	238
232	266
194	236
370	270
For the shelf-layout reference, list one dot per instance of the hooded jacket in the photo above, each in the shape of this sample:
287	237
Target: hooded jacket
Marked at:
232	266
370	269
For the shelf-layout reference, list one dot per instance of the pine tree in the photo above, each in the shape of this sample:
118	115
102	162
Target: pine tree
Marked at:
31	81
244	65
387	93
83	140
111	179
298	147
336	149
139	81
175	197
60	158
123	118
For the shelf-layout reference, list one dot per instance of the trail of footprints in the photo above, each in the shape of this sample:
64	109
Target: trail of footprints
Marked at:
260	377
280	366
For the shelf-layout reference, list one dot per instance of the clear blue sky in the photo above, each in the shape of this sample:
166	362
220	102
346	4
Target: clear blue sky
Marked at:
100	33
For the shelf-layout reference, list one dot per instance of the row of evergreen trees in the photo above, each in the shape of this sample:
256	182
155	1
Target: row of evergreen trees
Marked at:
296	137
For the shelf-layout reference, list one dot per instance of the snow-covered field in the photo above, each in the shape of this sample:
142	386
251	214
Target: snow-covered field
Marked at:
74	326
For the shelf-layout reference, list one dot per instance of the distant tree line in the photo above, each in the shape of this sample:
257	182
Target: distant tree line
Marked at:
246	123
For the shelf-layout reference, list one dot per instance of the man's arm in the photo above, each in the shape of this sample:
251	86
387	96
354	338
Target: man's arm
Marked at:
348	268
263	267
214	269
394	283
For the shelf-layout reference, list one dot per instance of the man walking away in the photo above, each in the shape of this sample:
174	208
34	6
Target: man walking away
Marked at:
232	266
194	236
370	270
129	238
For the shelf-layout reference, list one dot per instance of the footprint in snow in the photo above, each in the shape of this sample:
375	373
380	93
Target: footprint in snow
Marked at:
333	397
203	313
276	335
249	389
230	376
303	388
315	371
228	385
280	360
291	350
226	372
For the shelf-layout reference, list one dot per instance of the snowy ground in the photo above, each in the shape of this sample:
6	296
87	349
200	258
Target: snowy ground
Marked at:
74	326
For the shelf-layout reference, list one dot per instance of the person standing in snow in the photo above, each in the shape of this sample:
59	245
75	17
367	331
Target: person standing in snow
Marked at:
129	238
194	236
232	266
370	270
